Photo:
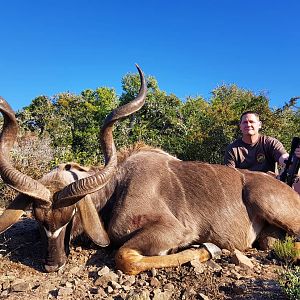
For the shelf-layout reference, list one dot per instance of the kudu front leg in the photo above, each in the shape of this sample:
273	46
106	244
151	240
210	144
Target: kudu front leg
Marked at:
132	262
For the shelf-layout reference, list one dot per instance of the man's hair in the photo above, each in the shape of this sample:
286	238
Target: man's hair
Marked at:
249	112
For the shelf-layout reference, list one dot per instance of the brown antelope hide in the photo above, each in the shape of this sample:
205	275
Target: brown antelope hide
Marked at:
151	205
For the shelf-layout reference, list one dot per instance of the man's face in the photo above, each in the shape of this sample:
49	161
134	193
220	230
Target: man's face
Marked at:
250	124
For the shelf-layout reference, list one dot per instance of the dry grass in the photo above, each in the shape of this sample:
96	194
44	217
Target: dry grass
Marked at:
31	156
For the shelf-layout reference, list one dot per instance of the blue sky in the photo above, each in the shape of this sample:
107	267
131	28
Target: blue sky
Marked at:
190	47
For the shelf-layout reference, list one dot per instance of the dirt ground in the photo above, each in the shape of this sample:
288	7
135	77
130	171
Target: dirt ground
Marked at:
91	274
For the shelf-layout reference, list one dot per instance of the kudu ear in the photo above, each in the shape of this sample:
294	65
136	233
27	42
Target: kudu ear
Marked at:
14	212
91	221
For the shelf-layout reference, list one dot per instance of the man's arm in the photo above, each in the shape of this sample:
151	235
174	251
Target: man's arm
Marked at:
285	156
229	158
282	159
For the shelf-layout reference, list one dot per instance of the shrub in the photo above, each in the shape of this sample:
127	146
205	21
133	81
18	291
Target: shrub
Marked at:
289	281
31	156
289	277
285	250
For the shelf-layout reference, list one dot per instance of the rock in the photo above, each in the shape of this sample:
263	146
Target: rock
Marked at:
4	294
20	286
154	282
74	270
128	283
189	293
69	284
203	297
143	276
64	291
142	295
198	266
159	295
126	288
213	265
103	271
269	236
169	287
242	260
115	285
101	293
234	274
5	285
105	279
225	252
129	280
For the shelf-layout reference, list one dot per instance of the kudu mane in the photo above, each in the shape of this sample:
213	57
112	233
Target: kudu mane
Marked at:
126	152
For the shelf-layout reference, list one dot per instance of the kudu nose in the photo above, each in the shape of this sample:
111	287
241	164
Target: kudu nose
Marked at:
54	268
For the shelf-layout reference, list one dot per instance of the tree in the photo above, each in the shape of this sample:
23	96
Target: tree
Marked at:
158	123
195	129
71	121
85	114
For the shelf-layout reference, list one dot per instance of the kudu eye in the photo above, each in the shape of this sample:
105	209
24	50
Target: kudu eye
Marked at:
68	167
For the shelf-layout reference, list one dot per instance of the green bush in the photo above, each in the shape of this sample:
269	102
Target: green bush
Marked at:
289	277
289	281
285	250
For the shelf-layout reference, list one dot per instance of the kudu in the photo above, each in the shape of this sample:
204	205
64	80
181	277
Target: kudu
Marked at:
152	205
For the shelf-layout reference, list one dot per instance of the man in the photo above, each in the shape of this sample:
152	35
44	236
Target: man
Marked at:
259	153
254	151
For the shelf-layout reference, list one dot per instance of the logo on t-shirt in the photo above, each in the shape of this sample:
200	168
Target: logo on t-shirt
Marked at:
260	158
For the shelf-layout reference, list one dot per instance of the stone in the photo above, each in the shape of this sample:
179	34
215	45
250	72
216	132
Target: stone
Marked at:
105	279
64	291
213	265
203	297
159	295
130	280
189	293
20	286
199	267
69	284
241	260
169	287
115	285
154	282
74	270
103	271
5	285
4	294
101	292
226	252
235	275
142	295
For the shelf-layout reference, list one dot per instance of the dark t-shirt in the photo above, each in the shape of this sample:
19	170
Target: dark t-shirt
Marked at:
261	156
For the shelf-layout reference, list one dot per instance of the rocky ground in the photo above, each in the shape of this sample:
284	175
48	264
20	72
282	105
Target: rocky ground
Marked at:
90	274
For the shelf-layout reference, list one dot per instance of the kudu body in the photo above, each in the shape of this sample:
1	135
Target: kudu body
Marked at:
151	204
